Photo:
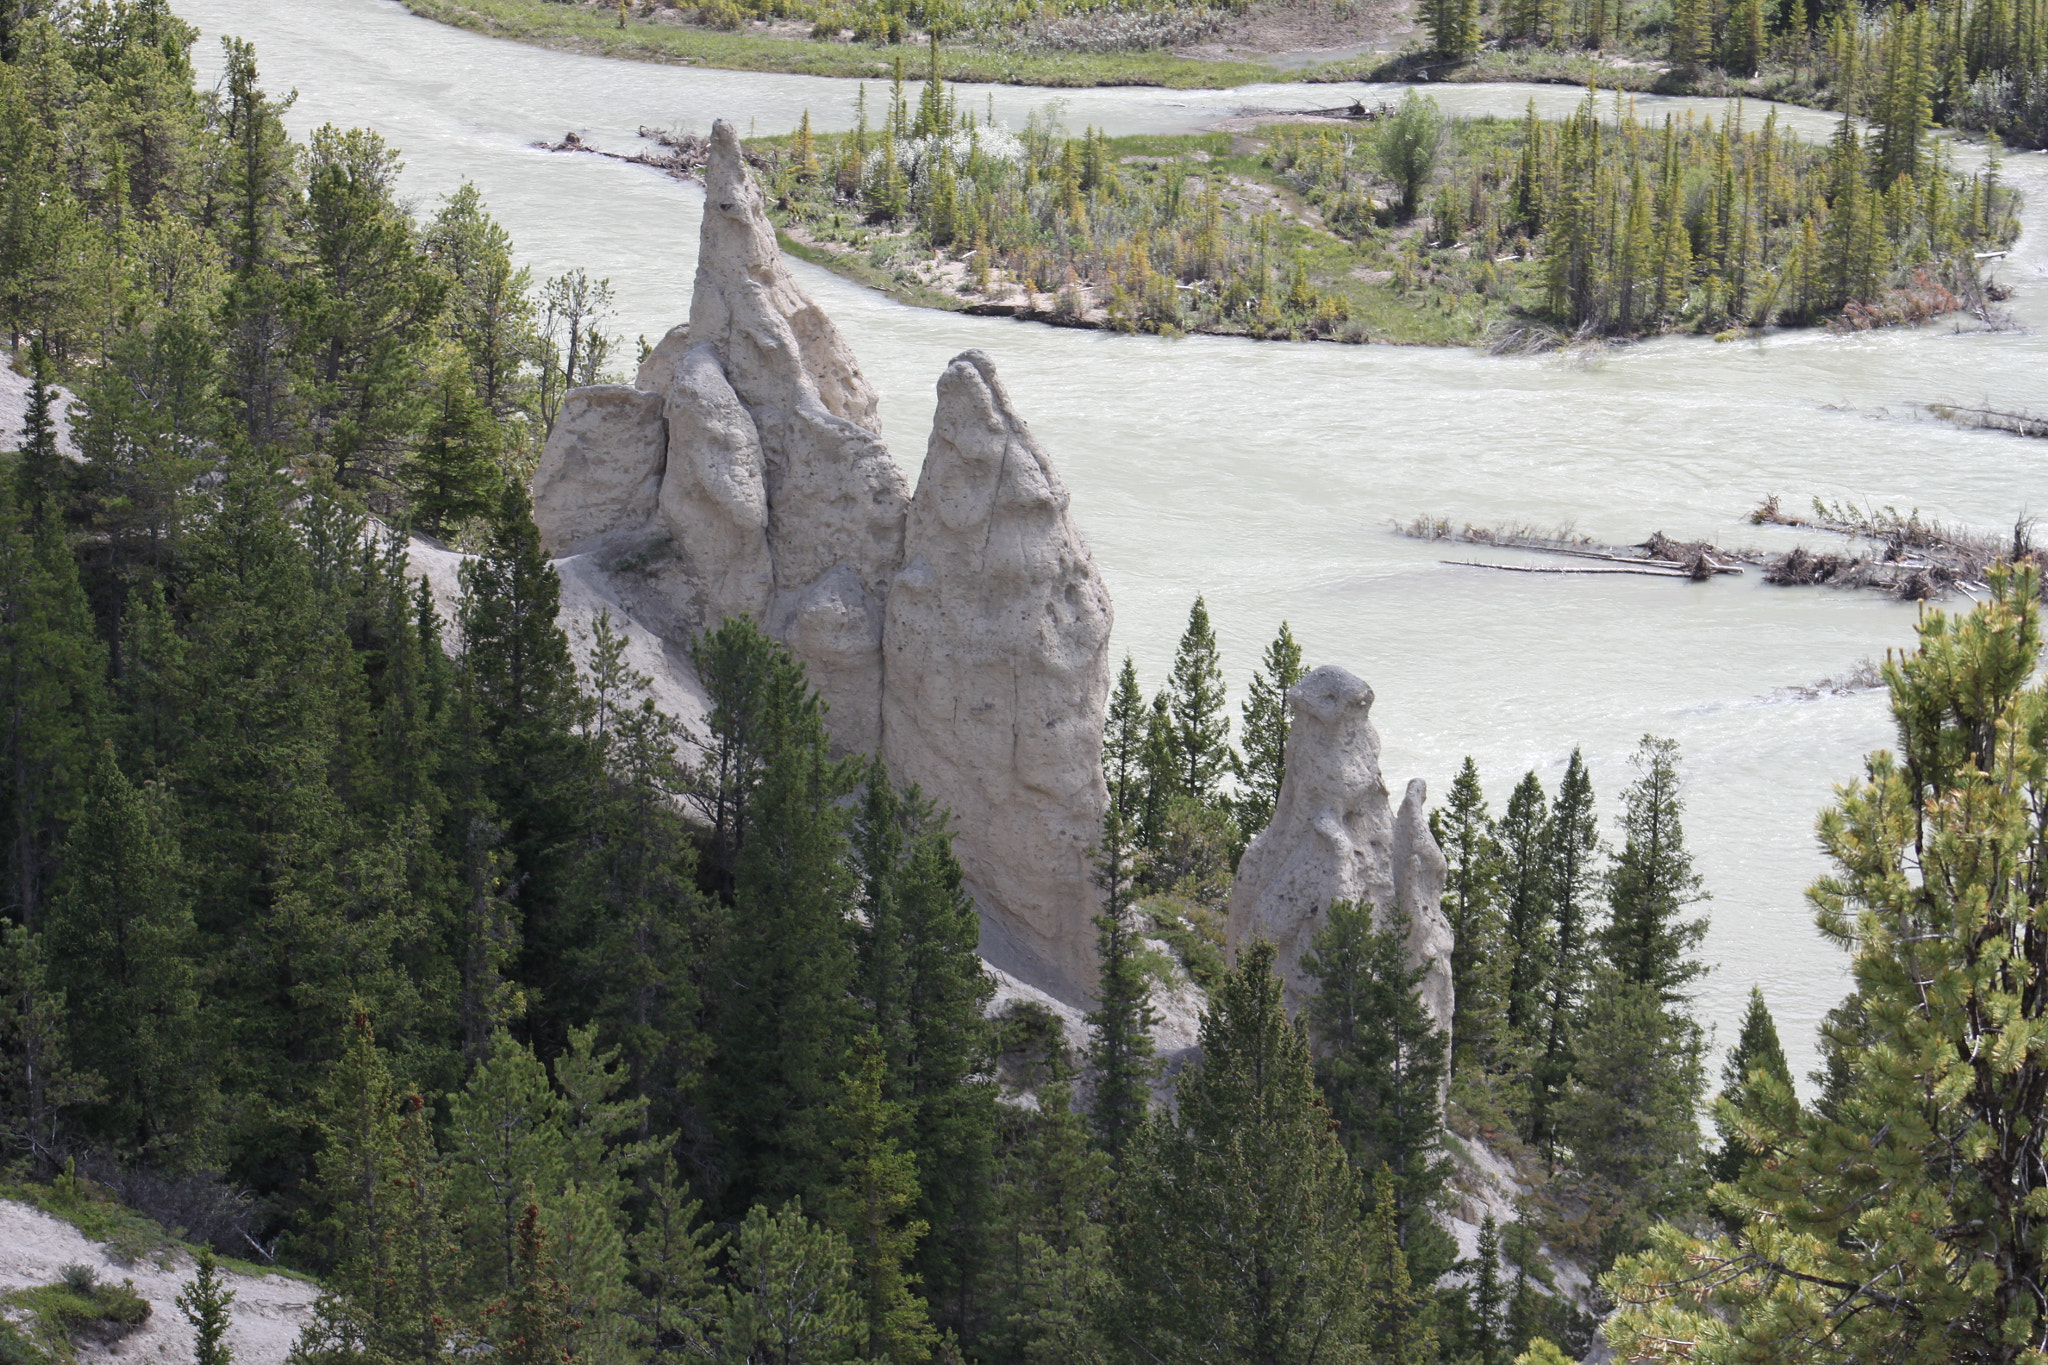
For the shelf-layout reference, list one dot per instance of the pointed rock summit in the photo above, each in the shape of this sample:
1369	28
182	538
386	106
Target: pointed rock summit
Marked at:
964	634
1334	836
996	656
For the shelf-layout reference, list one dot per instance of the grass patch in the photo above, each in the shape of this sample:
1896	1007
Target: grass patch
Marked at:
78	1308
571	28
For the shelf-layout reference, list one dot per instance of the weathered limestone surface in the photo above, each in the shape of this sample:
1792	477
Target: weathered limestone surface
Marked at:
1334	836
997	664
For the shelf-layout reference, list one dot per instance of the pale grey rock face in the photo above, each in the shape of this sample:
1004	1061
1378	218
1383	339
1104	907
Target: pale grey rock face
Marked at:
601	470
1420	870
778	346
658	371
836	501
714	497
1334	837
997	665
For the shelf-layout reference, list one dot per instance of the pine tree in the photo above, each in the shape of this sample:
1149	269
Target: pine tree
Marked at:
1756	1049
1652	882
1201	726
1379	1056
870	1204
1480	953
791	1298
1238	1236
531	1324
1120	1046
674	1268
1264	762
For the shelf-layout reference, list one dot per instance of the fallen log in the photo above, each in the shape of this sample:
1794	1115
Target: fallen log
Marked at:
1644	572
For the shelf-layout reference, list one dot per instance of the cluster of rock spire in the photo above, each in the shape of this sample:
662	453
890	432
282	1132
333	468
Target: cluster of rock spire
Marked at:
962	633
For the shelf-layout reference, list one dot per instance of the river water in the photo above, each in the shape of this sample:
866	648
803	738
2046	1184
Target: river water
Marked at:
1266	476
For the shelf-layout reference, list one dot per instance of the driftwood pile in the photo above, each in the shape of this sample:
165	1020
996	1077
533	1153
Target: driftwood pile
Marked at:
1658	557
682	155
1992	419
1908	556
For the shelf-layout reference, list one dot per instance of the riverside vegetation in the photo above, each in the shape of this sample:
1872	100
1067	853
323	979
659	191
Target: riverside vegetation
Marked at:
433	972
1412	227
1977	65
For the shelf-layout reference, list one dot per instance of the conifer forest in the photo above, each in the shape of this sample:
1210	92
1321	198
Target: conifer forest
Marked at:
398	947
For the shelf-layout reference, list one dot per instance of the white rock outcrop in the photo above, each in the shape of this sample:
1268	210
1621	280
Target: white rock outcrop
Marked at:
964	635
1334	836
996	667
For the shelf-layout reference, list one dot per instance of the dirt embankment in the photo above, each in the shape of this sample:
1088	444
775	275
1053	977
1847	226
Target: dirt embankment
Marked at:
268	1311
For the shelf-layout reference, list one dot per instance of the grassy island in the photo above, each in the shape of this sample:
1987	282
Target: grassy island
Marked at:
1411	227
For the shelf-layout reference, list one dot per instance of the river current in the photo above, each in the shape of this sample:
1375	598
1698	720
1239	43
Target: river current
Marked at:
1266	476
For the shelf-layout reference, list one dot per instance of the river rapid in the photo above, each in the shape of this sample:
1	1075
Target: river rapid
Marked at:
1266	475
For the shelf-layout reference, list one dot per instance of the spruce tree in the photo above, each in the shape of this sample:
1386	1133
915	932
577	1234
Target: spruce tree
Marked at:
1201	725
1652	882
757	692
1525	888
41	1079
125	950
1628	1112
1238	1233
203	1302
921	975
871	1204
1399	1323
1264	762
1481	955
1379	1056
531	1324
1120	1027
1162	773
1756	1049
638	973
1052	1184
40	469
1123	747
782	1009
51	706
1572	854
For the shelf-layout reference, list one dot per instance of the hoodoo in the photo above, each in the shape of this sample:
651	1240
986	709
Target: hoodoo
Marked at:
997	666
1335	836
963	635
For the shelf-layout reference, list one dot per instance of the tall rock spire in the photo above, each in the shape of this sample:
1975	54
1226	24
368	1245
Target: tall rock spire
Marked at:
997	666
